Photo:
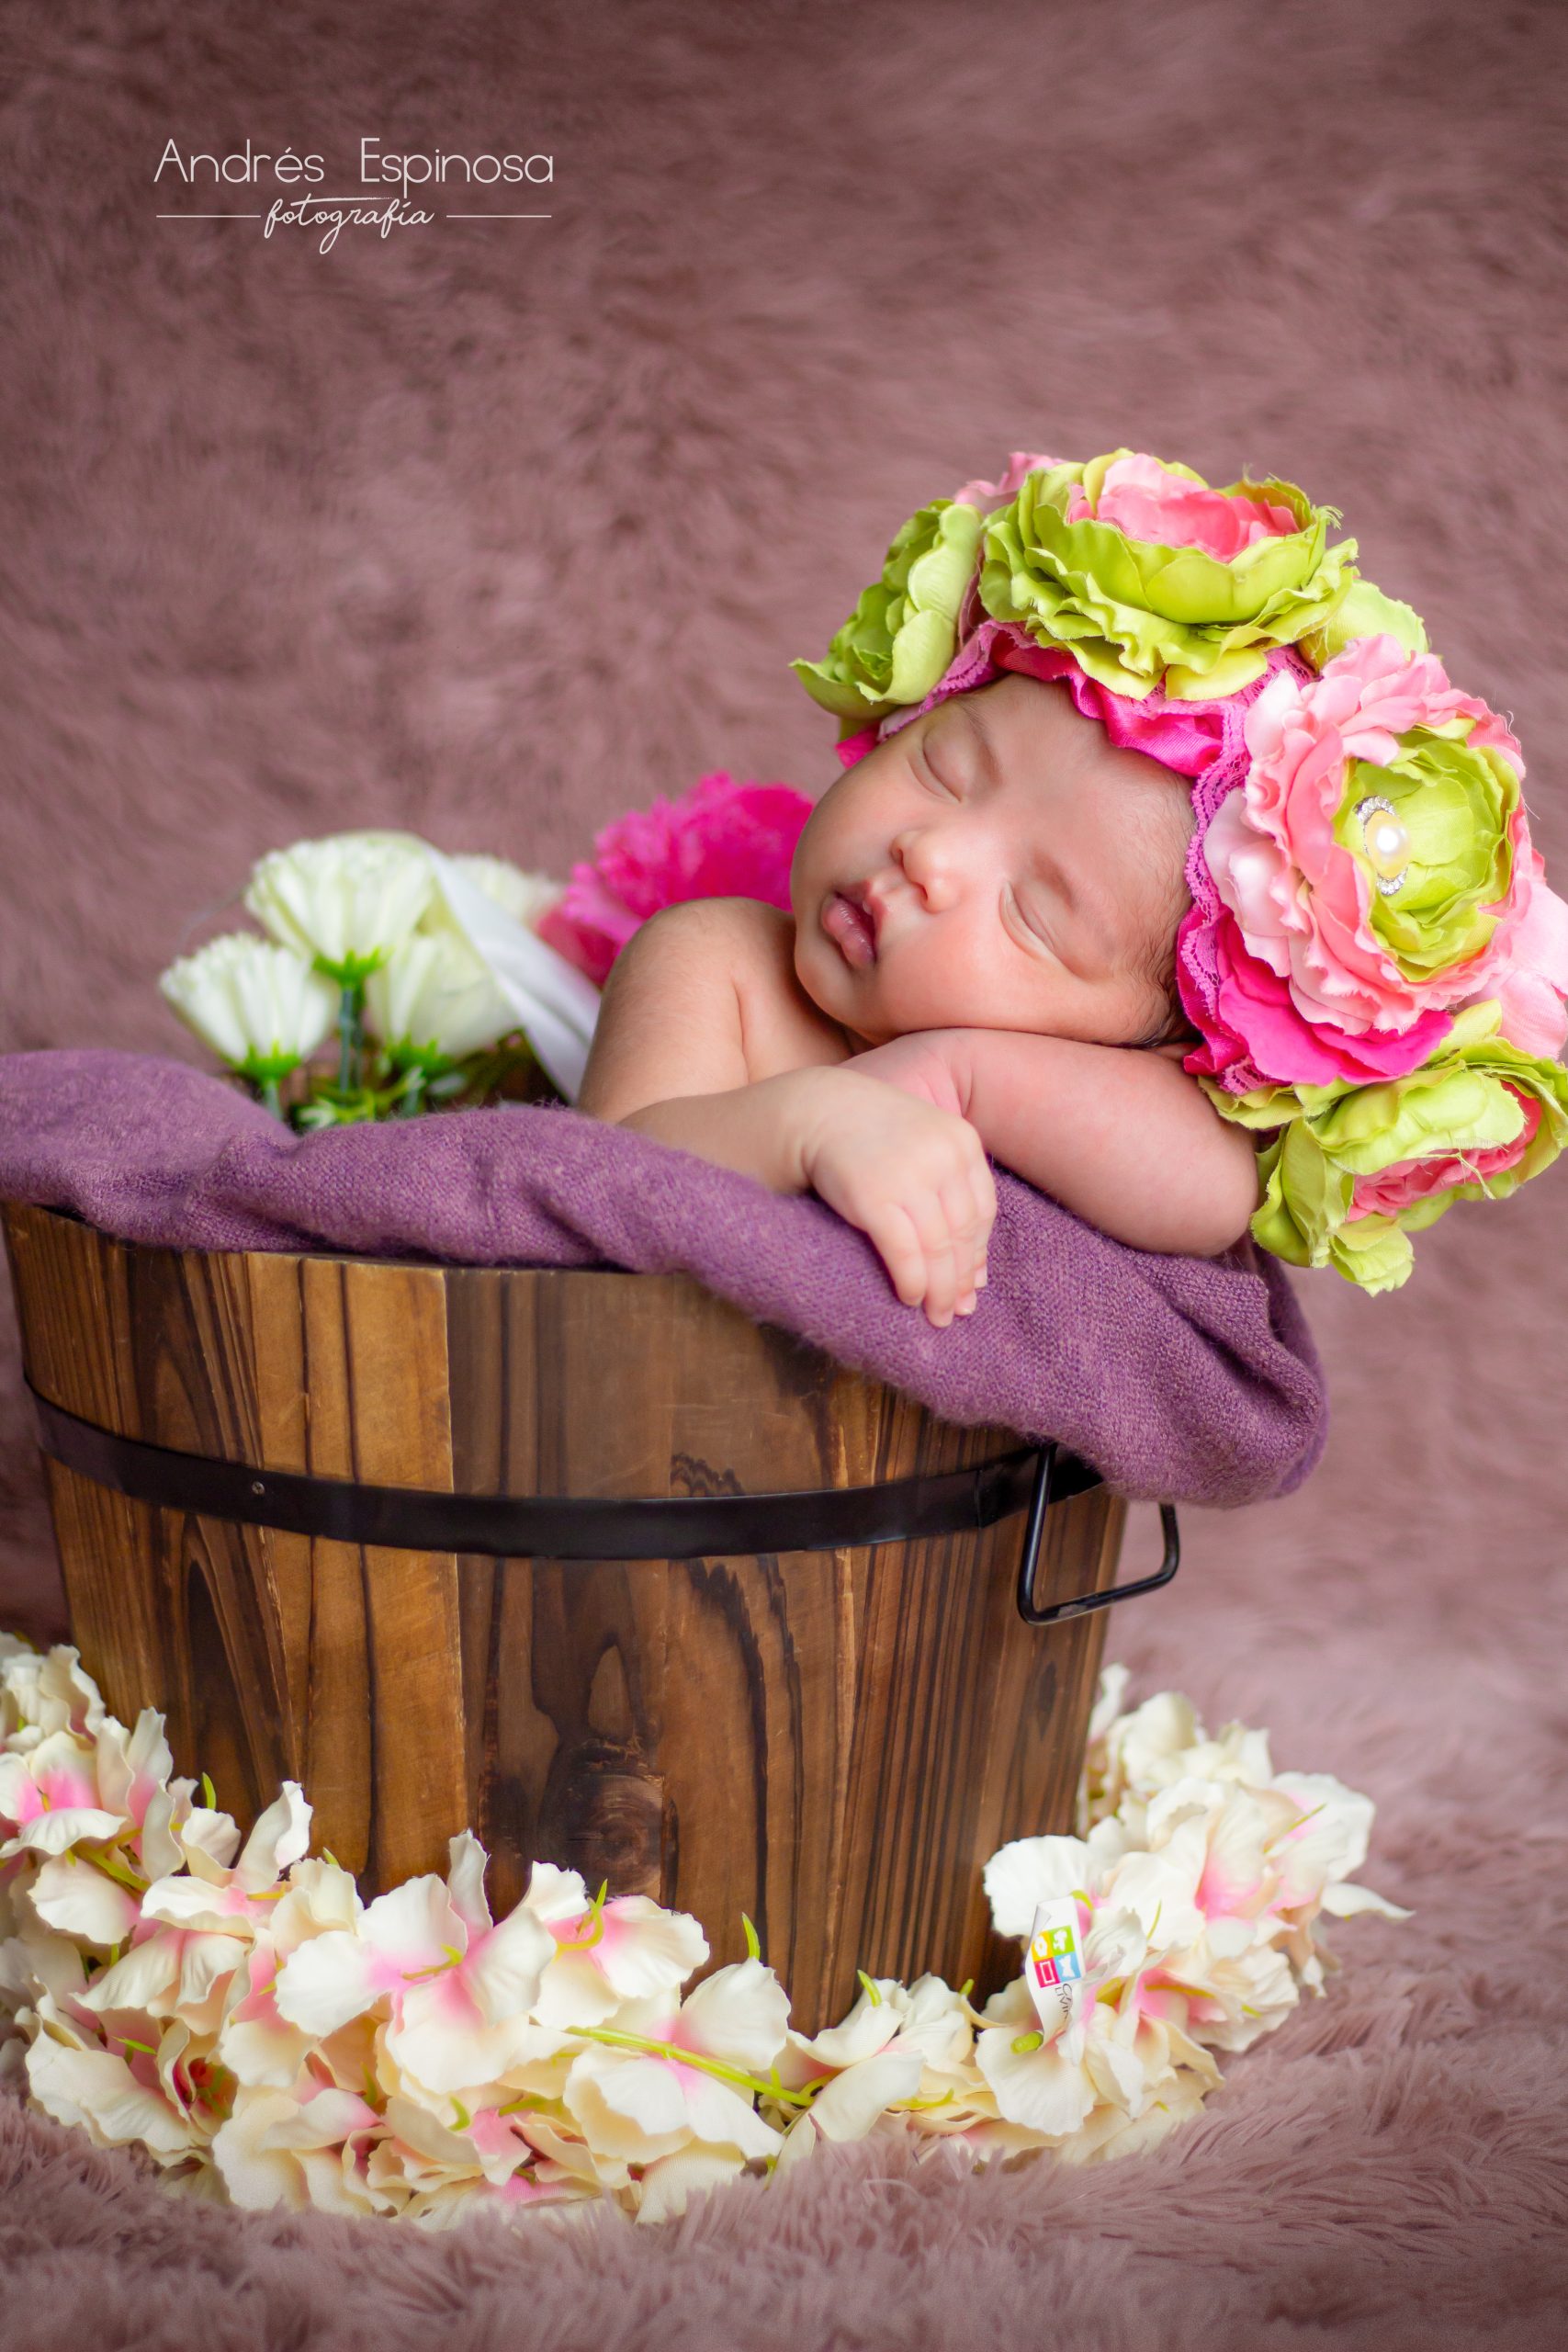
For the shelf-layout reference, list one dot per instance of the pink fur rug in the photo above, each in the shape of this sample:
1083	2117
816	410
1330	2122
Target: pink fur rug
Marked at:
494	530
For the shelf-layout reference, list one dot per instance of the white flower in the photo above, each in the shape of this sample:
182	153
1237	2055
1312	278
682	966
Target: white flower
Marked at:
434	1001
259	1007
344	903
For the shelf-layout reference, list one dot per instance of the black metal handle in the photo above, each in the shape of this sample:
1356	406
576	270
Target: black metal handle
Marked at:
1034	1535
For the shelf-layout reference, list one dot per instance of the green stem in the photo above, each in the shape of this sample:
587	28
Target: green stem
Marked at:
271	1100
123	1874
614	2040
350	1034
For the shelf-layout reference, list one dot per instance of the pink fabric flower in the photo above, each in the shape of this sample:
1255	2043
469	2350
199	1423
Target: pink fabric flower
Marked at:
1009	482
1147	500
721	840
1292	983
1399	1187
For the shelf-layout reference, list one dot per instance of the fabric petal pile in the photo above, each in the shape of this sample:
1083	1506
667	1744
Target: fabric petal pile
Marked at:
234	2008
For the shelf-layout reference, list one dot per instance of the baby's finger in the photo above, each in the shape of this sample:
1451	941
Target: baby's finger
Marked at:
985	1185
892	1235
962	1213
947	1270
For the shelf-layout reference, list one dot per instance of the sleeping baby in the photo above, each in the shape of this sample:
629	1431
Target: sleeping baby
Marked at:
1168	870
979	959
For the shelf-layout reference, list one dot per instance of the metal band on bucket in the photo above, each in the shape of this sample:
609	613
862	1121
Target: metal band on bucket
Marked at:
584	1527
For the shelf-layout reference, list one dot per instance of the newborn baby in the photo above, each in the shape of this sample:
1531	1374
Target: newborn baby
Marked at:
982	937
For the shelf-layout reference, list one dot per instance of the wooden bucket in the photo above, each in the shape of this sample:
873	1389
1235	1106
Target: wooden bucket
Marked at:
829	1740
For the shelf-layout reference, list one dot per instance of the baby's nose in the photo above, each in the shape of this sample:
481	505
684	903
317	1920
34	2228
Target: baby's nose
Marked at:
931	862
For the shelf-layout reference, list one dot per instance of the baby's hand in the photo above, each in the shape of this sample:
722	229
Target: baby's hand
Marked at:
913	1177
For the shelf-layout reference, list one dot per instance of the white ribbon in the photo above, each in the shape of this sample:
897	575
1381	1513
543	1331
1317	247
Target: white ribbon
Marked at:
555	1006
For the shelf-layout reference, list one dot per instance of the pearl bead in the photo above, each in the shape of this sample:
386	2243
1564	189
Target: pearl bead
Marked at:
1388	847
1386	842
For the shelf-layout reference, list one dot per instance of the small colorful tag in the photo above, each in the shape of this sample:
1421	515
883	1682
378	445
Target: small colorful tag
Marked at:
1052	1966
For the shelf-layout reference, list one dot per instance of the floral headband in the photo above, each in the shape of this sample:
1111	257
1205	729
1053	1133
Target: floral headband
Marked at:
1373	959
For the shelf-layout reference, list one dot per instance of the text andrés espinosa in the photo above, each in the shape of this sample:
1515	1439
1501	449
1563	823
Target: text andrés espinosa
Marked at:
376	167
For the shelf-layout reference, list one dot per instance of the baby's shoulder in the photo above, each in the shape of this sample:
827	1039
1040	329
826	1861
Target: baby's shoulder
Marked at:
781	1029
741	934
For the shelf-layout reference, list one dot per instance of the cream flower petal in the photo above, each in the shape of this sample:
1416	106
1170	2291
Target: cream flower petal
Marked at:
573	1992
199	1905
644	1949
280	1836
721	2115
1038	2088
555	1895
561	2148
321	1894
739	2014
256	2044
442	2039
132	1769
869	2027
274	2151
328	1981
32	1963
1029	1872
146	1975
205	1963
158	1850
669	2183
856	2099
1349	1902
503	1967
626	2106
1328	1844
70	1896
1108	1698
465	1881
56	1833
209	1841
98	2092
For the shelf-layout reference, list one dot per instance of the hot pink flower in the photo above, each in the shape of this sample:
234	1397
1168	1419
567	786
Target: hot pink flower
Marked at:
721	840
1148	501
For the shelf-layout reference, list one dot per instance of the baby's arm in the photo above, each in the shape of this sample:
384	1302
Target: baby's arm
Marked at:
705	1041
1126	1140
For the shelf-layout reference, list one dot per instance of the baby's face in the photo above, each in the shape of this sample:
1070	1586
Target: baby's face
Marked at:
998	864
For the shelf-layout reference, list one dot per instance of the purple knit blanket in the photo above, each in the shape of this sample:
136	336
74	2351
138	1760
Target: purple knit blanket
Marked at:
1180	1379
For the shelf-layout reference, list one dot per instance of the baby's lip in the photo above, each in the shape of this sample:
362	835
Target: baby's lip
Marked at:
853	919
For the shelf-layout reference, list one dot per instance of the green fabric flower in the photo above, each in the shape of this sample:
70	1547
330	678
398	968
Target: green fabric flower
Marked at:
1364	611
1454	803
1138	614
1400	1153
903	632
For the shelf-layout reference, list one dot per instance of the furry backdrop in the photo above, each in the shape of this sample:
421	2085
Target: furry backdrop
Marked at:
493	529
